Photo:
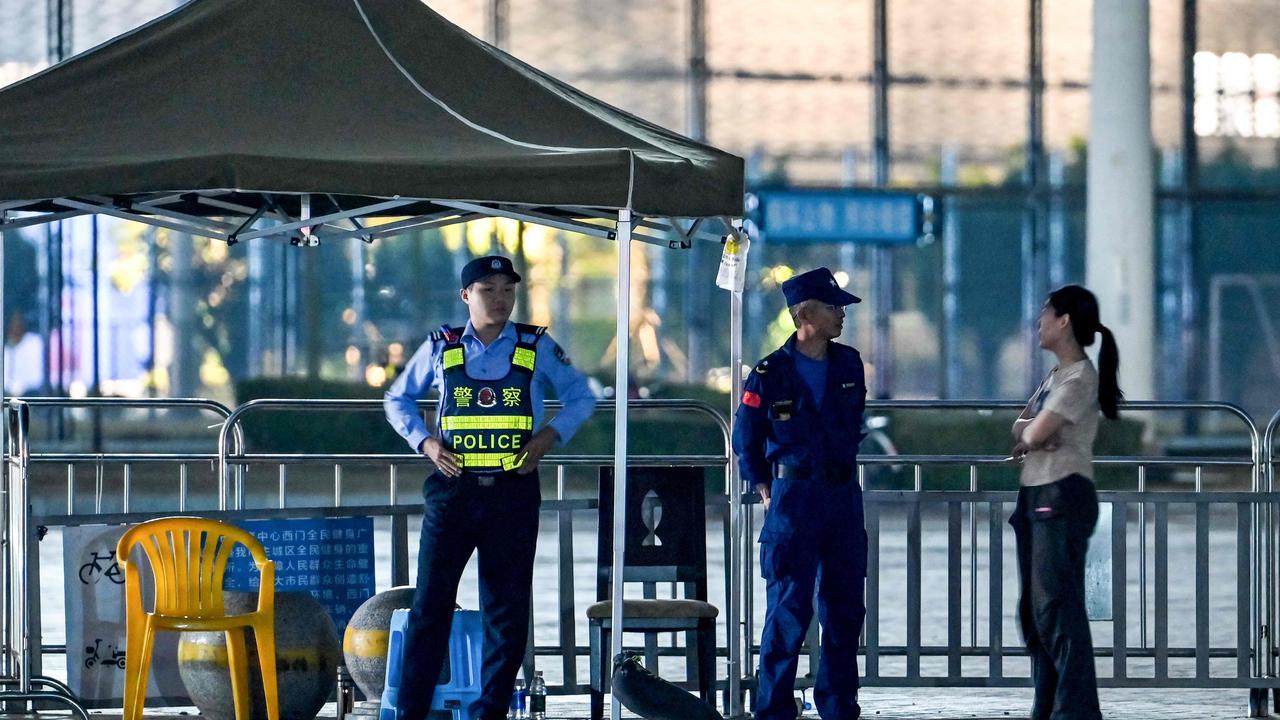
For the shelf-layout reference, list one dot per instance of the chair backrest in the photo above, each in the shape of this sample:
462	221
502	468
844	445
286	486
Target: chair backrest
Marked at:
188	557
666	533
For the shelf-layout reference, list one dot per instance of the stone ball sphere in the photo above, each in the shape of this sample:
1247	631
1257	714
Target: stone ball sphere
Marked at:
364	645
307	659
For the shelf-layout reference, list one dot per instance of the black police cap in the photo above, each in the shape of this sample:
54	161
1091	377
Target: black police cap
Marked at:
483	267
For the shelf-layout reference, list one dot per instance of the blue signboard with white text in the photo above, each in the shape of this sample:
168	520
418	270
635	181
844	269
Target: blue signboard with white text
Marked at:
794	216
331	558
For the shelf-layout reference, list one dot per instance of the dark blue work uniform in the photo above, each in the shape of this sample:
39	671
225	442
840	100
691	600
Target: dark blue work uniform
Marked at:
813	532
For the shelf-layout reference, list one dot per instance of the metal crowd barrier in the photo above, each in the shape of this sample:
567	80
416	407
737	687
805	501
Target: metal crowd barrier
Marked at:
20	636
1250	658
1253	650
562	508
1267	475
234	466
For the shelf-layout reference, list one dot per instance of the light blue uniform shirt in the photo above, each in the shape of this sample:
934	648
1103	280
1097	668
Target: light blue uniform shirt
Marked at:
551	368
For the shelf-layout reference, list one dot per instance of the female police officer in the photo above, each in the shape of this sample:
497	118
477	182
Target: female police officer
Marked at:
796	438
484	494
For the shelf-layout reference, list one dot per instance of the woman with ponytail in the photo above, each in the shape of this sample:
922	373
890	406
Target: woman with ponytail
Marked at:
1057	507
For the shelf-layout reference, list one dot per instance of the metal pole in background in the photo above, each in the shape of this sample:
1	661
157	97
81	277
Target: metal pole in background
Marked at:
499	29
356	246
696	108
848	250
1188	305
95	289
1033	217
1057	170
312	291
950	278
153	259
882	257
58	15
51	323
58	47
258	310
696	286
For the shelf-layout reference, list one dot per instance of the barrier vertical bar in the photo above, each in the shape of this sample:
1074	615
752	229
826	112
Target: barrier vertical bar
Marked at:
913	583
568	637
1202	591
17	550
399	550
1142	559
1244	590
282	482
182	487
1119	588
337	485
127	486
995	586
1162	589
973	559
871	512
399	532
953	590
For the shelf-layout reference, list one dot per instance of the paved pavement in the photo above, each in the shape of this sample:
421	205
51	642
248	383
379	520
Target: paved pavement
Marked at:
1008	704
907	704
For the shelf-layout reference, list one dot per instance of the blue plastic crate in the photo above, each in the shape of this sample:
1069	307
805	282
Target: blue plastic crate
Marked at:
459	684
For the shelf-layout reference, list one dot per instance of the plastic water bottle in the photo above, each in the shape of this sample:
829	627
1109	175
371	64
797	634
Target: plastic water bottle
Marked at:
538	697
517	711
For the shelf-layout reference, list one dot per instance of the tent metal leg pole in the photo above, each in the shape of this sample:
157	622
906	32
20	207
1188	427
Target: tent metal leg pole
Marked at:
6	533
737	545
620	441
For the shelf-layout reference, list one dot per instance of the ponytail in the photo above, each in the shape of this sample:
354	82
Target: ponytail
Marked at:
1082	306
1109	393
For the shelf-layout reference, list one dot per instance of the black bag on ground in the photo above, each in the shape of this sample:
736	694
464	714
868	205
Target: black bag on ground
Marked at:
653	698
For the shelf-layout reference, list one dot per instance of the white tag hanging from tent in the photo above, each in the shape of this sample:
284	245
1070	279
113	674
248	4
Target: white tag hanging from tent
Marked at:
732	275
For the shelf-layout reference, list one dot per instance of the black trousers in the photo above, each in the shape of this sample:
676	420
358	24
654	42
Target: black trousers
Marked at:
460	516
1053	523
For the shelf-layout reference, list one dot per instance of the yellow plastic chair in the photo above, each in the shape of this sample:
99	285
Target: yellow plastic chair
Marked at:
188	557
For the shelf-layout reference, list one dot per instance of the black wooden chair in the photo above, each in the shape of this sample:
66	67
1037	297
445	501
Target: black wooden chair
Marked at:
666	541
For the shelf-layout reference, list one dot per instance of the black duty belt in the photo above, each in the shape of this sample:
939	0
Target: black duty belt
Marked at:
488	479
834	472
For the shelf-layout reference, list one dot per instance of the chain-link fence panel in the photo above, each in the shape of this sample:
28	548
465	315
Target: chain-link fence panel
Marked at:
23	42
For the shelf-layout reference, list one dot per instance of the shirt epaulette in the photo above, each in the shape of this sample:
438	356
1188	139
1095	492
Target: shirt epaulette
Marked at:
771	361
447	334
523	329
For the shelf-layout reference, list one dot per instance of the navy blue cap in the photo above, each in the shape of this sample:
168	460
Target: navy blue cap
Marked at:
483	267
818	284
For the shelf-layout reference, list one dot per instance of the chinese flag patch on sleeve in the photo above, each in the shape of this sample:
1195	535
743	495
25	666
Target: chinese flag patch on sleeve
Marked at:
750	399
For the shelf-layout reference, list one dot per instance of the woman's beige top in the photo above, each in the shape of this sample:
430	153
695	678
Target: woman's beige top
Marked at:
1072	392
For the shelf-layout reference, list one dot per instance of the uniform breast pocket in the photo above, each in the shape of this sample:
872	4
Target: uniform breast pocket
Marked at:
782	415
854	391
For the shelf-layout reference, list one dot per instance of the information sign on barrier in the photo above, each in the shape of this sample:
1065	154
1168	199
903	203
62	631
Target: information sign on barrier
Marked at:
331	558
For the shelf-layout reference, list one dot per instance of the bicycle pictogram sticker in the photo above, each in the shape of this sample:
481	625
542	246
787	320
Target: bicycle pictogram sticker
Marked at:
99	566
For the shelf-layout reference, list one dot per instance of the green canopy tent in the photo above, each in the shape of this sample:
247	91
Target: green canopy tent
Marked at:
302	120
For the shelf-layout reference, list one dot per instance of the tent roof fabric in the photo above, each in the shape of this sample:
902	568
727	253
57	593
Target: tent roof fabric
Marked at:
365	98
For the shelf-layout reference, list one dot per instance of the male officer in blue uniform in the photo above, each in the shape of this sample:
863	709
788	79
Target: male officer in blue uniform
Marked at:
491	377
796	437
